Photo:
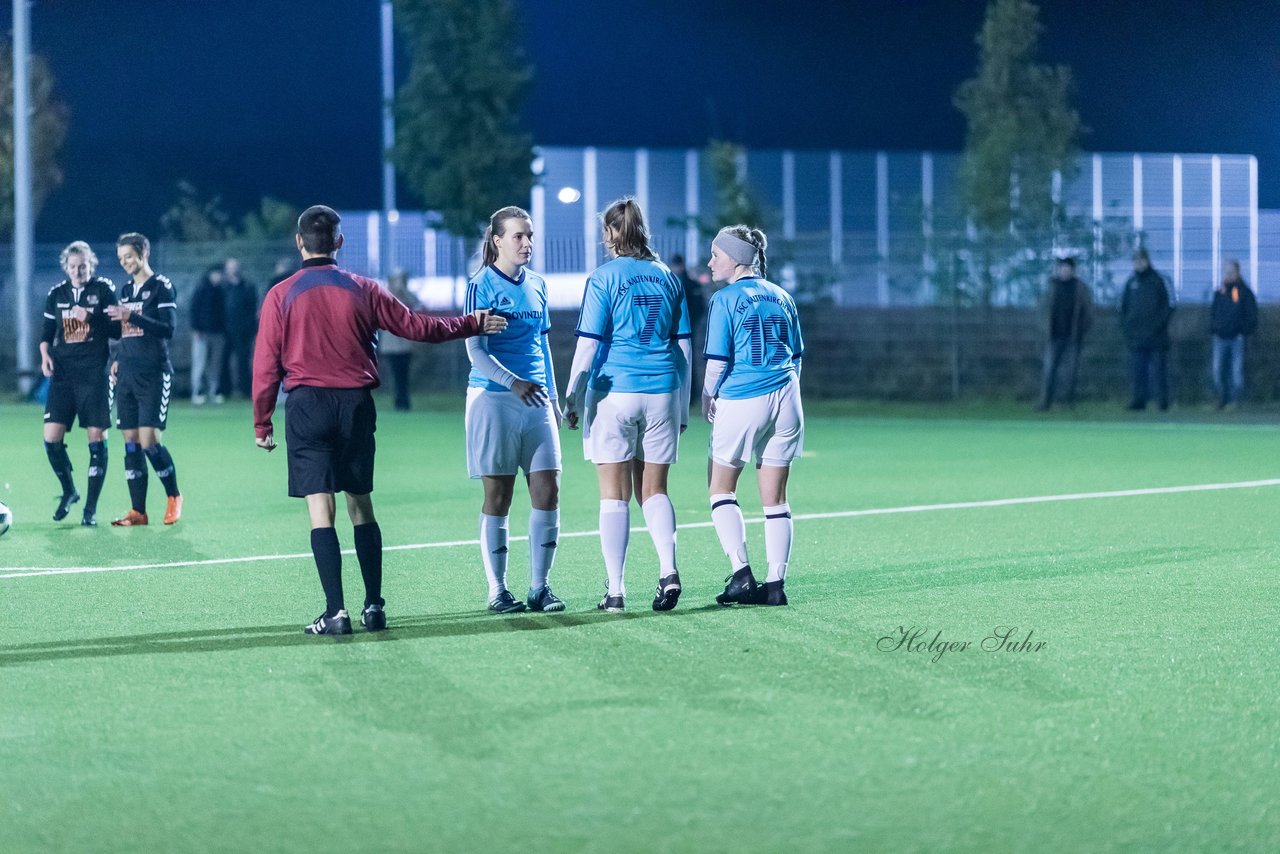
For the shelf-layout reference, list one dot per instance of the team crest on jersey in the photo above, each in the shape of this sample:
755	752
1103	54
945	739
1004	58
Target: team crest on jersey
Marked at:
144	295
91	299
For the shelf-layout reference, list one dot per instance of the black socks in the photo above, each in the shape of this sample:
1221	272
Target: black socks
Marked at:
324	547
369	553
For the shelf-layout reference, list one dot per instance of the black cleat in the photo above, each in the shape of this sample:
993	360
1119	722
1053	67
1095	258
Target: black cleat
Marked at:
338	624
89	519
668	593
64	505
612	604
505	603
771	593
544	600
373	618
739	589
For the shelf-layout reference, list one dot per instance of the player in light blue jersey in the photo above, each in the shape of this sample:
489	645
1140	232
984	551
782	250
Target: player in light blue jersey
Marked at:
751	397
512	416
629	385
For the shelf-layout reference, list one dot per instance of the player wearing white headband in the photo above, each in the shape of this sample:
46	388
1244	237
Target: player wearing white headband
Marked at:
629	384
751	396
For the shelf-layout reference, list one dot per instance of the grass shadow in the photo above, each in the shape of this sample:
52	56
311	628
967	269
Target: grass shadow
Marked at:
409	628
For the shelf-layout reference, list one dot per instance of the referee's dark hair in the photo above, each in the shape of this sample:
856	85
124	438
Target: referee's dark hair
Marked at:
138	241
318	228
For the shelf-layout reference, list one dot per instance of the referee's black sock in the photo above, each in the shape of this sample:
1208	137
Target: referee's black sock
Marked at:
162	462
324	547
369	553
61	464
97	474
135	474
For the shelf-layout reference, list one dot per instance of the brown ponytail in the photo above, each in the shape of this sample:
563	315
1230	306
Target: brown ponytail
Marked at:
631	235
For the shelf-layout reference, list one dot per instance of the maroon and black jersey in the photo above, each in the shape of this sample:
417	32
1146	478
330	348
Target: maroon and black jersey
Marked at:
318	329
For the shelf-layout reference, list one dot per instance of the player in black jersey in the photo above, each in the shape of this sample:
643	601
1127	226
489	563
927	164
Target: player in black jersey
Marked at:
143	374
74	352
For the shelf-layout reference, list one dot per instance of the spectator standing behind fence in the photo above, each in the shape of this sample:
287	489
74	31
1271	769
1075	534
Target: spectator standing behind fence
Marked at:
1234	315
208	332
697	313
1068	312
242	325
1145	309
399	351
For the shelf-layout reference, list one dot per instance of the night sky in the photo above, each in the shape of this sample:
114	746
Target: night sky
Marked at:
247	99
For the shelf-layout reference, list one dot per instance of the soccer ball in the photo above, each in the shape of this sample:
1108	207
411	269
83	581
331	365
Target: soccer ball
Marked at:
6	518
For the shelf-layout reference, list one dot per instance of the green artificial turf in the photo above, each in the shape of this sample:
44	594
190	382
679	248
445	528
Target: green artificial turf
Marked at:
180	708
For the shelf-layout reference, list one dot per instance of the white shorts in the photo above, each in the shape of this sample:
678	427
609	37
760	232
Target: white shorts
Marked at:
624	426
504	435
769	428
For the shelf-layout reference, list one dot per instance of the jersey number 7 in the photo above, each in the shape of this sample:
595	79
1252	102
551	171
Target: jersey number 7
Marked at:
652	306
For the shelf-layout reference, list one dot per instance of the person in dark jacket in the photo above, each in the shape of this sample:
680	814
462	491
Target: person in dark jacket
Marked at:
242	325
1145	309
208	330
1233	315
1068	312
697	302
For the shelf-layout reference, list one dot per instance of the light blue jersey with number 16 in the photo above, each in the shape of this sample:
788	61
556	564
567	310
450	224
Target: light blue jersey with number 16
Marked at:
637	310
752	325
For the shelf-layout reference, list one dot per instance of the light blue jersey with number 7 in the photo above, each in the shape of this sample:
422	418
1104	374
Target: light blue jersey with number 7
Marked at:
752	325
637	310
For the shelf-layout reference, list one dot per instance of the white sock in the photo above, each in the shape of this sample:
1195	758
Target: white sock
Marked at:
726	515
660	517
493	551
544	530
778	529
615	530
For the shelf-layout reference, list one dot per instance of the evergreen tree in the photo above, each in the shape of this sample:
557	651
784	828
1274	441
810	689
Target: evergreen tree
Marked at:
1021	130
458	143
48	130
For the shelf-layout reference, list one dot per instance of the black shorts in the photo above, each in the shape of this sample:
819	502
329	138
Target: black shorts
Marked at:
142	400
329	436
71	399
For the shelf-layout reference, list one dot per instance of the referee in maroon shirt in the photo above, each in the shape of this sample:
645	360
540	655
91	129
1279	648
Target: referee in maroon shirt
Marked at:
317	334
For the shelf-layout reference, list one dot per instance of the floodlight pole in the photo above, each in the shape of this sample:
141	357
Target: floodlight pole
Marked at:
22	224
389	213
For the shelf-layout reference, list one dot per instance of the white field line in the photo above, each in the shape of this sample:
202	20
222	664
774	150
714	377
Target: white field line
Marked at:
30	571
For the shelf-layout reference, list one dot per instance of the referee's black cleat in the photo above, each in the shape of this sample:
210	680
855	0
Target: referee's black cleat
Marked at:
338	624
612	604
543	599
373	618
668	593
89	519
64	505
505	603
740	588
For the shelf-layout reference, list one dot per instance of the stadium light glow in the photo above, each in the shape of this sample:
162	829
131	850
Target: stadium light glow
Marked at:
568	195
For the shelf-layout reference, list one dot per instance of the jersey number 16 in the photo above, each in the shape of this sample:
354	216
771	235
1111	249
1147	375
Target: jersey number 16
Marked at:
768	335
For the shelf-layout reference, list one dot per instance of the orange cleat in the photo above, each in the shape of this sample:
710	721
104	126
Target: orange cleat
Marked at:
130	519
173	509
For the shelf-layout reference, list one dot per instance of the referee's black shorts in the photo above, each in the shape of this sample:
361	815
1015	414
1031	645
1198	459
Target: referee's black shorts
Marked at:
89	400
329	437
